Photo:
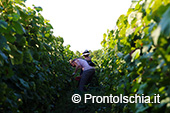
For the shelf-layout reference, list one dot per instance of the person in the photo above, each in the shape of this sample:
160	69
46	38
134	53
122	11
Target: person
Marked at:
87	74
86	54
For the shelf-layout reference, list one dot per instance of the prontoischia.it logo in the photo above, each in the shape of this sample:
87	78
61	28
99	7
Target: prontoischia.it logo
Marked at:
76	98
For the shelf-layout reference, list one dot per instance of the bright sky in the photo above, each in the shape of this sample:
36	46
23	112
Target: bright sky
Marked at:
82	23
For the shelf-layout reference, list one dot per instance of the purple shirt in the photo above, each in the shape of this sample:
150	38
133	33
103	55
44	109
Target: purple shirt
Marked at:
84	65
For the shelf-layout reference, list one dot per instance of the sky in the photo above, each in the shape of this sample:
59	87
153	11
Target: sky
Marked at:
82	23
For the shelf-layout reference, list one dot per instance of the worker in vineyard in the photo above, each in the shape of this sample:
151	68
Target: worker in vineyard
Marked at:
87	74
86	54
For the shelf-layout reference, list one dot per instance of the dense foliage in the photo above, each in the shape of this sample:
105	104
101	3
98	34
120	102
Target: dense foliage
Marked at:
34	68
35	75
136	56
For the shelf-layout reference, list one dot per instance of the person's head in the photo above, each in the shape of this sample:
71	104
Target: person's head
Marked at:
86	53
86	56
72	62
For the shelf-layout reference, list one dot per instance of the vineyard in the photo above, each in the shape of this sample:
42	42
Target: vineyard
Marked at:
35	74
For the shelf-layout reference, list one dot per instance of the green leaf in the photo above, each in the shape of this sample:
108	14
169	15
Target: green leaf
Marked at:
146	48
27	56
135	54
16	56
24	83
3	56
3	42
48	47
166	100
152	25
19	1
1	8
141	108
165	23
18	28
162	62
20	39
142	88
127	58
23	14
15	17
135	87
10	38
163	102
155	35
129	31
41	76
3	24
49	26
120	54
38	9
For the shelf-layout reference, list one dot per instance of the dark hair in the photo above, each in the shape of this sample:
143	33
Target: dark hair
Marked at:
85	55
73	61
